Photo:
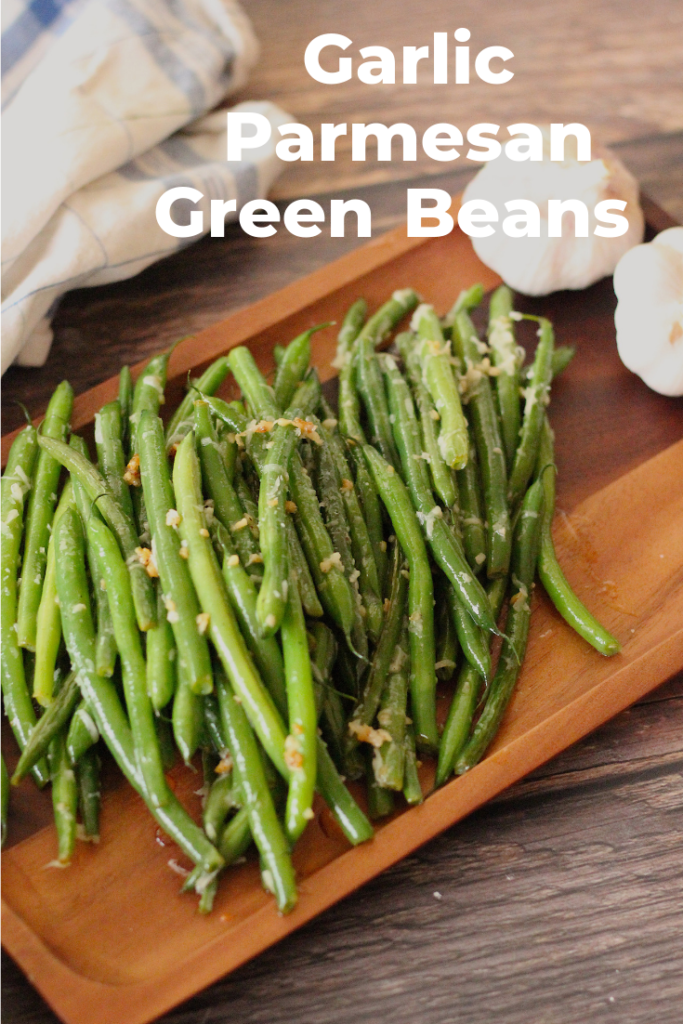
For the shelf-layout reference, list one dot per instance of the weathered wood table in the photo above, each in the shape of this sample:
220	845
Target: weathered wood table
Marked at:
561	902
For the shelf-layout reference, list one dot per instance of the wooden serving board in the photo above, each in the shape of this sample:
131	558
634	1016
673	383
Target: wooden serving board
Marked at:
110	941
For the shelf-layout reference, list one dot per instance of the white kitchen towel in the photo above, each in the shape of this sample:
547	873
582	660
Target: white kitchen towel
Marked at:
94	93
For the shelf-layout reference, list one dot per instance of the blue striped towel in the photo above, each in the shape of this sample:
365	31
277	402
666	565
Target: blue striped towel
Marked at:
105	108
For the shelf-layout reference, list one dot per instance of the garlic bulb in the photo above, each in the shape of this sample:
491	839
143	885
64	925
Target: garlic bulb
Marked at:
537	266
648	282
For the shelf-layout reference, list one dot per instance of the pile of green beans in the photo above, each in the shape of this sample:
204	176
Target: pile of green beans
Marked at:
254	584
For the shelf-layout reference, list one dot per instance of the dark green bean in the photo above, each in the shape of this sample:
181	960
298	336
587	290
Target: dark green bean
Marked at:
299	567
138	704
125	403
89	794
537	396
523	568
41	505
447	646
349	402
293	365
388	762
371	389
64	799
553	579
412	789
186	717
489	444
420	597
82	734
49	724
344	808
465	699
507	357
444	545
473	640
16	483
221	799
471	518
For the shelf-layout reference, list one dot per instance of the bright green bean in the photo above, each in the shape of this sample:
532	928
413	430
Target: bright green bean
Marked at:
161	656
258	802
293	365
41	505
82	734
437	373
49	627
180	599
64	799
300	745
101	693
16	483
99	492
207	384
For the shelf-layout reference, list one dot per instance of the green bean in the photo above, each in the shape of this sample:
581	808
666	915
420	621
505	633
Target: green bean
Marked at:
370	387
467	300
101	693
445	547
420	597
109	444
278	353
380	325
263	821
125	403
523	568
553	579
293	365
489	445
473	640
213	598
412	789
207	384
148	394
16	482
367	707
166	742
380	800
370	506
344	808
186	717
133	666
302	573
64	799
49	724
41	504
507	357
465	699
88	777
105	651
161	657
97	489
562	357
228	451
471	518
221	799
226	504
259	394
349	402
4	799
537	396
388	762
441	474
327	700
49	628
179	596
243	596
437	373
447	646
333	587
300	745
273	529
82	734
353	497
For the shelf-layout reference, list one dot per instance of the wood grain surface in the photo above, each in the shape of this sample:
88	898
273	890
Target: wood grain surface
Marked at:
561	902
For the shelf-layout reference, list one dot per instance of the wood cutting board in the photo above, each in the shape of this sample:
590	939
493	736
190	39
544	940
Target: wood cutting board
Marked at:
110	941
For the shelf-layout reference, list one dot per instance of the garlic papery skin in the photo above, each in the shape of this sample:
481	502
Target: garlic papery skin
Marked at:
648	283
538	266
